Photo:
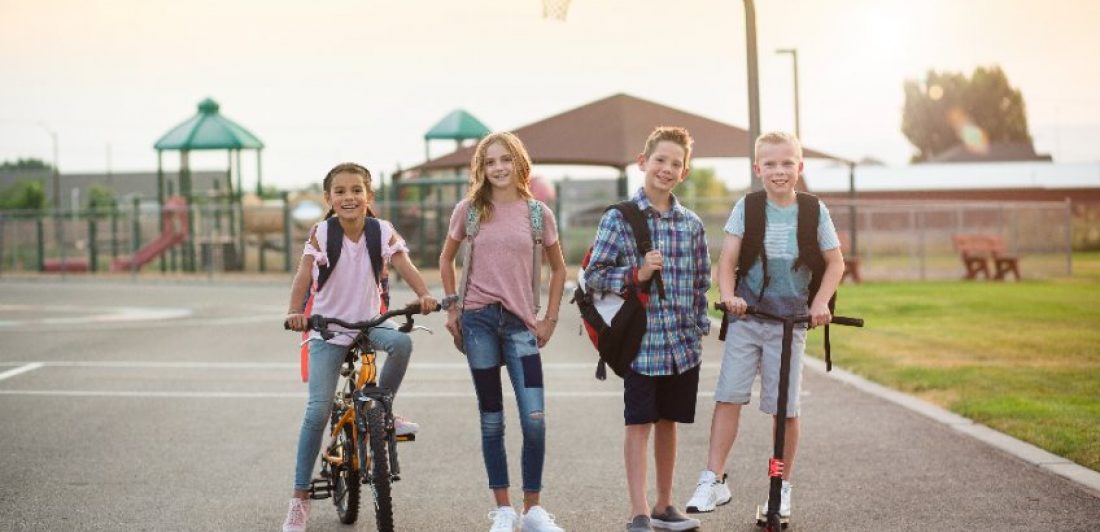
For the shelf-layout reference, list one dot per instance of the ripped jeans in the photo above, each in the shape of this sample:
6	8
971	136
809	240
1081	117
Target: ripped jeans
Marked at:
494	337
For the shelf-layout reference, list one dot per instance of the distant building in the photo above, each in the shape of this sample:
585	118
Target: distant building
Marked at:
124	184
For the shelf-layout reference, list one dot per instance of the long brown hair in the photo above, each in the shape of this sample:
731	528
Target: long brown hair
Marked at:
351	168
481	194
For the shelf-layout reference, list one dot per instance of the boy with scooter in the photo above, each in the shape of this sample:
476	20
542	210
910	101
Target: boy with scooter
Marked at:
778	258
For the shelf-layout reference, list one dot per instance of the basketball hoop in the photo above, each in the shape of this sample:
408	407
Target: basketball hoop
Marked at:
555	9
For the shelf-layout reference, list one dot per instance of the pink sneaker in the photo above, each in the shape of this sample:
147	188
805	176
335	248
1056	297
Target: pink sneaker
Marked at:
404	427
297	515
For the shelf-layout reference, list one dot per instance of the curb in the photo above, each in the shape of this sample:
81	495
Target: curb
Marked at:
1063	467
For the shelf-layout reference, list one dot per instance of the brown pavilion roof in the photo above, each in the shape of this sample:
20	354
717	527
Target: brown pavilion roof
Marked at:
611	131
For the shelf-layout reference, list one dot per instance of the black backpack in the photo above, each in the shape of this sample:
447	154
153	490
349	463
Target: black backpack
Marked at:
809	252
372	233
616	324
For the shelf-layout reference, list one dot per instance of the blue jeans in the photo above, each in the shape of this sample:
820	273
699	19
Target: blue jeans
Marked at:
494	337
324	374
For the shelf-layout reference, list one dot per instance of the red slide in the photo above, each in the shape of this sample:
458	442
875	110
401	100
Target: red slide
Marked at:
174	231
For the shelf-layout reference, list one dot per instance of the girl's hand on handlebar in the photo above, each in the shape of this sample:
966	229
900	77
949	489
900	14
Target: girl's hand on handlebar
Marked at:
820	315
428	304
735	305
297	322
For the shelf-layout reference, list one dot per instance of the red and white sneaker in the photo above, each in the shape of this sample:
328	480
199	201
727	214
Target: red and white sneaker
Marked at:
297	516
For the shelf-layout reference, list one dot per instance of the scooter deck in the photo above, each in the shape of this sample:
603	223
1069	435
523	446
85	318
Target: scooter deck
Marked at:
762	518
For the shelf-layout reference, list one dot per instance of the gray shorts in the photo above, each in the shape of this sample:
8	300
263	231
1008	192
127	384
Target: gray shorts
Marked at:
753	346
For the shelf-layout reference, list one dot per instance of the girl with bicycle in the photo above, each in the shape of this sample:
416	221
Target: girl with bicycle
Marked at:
496	323
346	287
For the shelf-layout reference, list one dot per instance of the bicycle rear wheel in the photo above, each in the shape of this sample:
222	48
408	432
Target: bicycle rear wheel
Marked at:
380	468
345	480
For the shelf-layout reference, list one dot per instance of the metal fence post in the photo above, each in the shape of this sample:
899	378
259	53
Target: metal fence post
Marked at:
1069	236
93	253
287	230
40	234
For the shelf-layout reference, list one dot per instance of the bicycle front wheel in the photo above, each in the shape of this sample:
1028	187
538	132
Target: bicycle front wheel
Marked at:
345	479
380	468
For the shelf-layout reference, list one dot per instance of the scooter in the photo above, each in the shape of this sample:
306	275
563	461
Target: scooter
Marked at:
769	517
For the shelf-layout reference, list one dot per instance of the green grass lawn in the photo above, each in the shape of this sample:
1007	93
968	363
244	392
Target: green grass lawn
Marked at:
1023	358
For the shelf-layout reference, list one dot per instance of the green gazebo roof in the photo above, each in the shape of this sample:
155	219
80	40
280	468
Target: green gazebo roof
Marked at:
459	125
208	130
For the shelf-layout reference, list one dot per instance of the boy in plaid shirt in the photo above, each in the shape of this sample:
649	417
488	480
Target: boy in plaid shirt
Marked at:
661	385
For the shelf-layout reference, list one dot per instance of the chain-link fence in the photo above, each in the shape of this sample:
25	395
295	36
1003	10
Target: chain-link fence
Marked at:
894	240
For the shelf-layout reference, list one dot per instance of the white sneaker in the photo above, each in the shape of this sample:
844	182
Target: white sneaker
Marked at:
538	520
784	500
404	427
297	516
710	493
504	519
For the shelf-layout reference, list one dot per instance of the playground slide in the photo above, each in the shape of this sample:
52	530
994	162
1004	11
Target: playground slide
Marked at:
174	231
148	252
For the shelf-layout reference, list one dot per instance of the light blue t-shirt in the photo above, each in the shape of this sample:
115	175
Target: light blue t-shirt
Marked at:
787	289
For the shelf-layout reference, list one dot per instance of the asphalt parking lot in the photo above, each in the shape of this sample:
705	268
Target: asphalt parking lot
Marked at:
176	406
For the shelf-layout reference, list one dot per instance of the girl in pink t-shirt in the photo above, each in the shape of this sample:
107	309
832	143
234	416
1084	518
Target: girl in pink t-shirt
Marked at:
347	289
497	324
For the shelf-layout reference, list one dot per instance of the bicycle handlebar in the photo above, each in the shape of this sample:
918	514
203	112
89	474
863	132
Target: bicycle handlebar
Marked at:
320	323
804	318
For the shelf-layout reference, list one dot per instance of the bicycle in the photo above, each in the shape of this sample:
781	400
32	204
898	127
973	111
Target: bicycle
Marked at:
769	517
363	444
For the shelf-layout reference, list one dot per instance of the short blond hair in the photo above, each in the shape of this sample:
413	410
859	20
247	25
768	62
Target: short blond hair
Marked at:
776	138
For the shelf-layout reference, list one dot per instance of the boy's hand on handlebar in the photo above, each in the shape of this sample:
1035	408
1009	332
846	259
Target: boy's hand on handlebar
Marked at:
819	314
296	322
428	304
735	305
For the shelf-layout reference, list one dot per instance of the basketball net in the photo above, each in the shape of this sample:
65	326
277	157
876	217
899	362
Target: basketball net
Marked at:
555	9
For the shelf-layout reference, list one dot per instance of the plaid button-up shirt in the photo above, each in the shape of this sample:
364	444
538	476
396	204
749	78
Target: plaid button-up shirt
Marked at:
676	324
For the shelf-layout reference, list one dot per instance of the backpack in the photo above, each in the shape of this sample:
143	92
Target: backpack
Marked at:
616	323
372	234
809	252
473	226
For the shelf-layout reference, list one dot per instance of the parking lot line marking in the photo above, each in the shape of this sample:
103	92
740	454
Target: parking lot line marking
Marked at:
21	369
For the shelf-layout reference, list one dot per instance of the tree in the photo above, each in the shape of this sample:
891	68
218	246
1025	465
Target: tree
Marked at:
943	110
101	198
26	194
25	164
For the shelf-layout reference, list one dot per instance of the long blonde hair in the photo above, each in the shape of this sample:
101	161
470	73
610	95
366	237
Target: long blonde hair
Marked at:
481	194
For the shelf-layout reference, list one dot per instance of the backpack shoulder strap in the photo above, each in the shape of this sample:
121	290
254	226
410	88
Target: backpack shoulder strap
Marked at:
809	254
473	221
473	224
372	232
534	208
643	241
333	246
752	244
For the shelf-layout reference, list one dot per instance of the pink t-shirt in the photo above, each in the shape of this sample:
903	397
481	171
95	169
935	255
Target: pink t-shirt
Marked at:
502	257
351	291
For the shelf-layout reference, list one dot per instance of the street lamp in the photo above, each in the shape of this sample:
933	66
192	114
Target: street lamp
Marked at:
754	90
794	57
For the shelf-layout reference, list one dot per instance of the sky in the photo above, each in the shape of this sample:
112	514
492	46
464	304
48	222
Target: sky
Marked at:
327	81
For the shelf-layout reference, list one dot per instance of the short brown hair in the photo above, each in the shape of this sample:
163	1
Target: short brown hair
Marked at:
778	137
677	135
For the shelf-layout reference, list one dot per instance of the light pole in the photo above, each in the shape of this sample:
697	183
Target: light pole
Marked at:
794	58
56	177
754	90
